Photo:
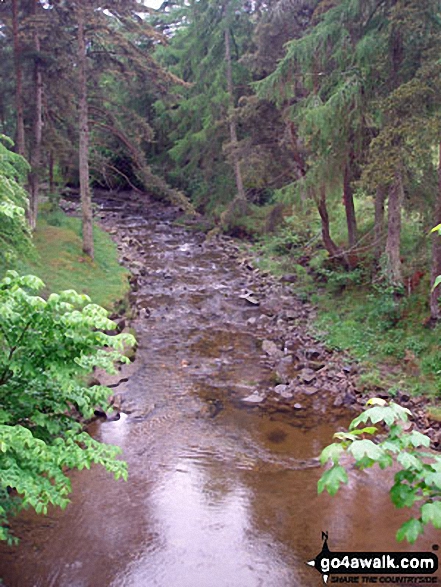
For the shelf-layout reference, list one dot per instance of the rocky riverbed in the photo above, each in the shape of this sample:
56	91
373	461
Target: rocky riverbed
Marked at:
297	374
222	416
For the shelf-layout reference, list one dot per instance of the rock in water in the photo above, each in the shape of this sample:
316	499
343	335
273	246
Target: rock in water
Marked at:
248	297
254	398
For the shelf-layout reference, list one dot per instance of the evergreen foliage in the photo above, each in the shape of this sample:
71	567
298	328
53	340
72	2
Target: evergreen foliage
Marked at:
198	119
14	234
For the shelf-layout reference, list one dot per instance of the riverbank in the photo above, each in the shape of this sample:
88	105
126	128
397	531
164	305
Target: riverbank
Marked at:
303	374
222	489
59	261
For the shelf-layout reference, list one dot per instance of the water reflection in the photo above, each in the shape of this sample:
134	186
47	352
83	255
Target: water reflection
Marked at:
208	537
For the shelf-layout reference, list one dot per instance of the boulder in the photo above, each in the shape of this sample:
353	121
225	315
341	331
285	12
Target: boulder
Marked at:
307	375
272	350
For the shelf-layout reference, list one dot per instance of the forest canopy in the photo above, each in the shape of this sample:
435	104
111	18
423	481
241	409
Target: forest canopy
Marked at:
249	112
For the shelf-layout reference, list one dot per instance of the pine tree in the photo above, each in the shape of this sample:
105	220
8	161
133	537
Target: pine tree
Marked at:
205	154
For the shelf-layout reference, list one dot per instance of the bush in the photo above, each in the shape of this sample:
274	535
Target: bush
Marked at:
46	350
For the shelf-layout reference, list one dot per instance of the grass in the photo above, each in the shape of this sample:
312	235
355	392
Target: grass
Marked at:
375	329
61	264
385	335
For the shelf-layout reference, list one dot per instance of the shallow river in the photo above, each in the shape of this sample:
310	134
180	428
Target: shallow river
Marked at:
219	494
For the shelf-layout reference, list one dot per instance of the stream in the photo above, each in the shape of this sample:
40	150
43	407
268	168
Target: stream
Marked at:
222	488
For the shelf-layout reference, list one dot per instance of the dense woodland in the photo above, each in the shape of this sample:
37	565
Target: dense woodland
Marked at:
311	128
250	112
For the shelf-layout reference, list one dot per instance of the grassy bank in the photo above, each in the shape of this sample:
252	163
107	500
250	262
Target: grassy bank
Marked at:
61	264
356	312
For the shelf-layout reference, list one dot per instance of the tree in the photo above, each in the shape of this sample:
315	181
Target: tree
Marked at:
231	111
435	271
20	132
47	348
204	150
83	127
35	158
320	79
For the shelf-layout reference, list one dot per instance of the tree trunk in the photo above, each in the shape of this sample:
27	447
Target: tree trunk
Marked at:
85	195
20	133
348	199
380	198
393	267
436	253
232	119
34	179
333	250
51	172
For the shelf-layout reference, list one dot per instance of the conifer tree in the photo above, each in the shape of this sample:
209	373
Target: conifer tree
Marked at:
205	151
20	132
348	103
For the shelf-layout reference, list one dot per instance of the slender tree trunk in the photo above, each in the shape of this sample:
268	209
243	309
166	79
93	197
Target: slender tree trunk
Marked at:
20	133
333	250
34	179
380	198
436	253
232	119
297	154
393	241
348	199
85	195
51	172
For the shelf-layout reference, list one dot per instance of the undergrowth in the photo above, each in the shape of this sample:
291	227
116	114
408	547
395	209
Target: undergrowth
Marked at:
356	312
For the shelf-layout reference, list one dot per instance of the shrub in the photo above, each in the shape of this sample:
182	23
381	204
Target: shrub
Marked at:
46	349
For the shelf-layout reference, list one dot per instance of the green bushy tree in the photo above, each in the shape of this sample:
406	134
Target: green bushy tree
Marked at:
47	348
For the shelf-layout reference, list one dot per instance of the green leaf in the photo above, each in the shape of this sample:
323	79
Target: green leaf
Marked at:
362	448
368	430
403	495
418	439
436	282
409	461
332	479
436	228
431	512
385	461
391	445
331	453
376	401
410	530
345	436
433	478
388	414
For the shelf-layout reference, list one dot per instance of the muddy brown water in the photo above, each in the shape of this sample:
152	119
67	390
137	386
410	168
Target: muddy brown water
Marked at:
219	494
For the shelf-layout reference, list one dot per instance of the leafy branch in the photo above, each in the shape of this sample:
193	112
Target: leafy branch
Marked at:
418	480
44	394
